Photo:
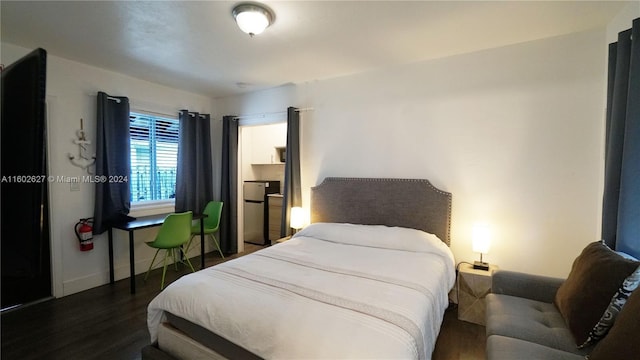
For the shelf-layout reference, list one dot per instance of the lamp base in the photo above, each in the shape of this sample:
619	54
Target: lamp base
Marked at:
479	265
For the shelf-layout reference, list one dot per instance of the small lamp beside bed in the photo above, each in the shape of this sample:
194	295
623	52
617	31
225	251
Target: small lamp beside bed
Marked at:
297	218
481	240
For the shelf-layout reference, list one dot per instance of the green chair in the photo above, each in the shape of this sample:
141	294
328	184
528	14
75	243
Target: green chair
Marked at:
174	232
213	210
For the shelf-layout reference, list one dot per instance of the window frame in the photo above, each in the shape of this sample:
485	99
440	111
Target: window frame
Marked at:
151	205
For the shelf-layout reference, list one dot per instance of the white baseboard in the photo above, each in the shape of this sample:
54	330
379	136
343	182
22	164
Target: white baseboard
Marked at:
120	271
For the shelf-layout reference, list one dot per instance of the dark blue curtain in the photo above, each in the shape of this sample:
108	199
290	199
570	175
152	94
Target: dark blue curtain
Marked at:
621	202
292	190
194	176
113	159
229	173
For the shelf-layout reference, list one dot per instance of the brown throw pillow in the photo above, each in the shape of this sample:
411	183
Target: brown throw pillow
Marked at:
595	276
622	340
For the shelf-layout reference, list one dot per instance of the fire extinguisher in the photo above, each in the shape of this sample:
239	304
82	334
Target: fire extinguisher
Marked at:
84	232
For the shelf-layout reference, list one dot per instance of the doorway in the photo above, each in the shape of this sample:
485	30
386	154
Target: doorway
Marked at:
25	246
260	159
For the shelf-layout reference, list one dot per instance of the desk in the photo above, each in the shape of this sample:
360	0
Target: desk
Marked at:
142	223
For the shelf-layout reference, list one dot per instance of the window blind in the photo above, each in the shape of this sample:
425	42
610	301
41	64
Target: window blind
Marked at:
154	153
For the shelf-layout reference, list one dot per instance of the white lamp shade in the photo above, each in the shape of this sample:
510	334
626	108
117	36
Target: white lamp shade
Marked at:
252	22
481	238
252	18
297	218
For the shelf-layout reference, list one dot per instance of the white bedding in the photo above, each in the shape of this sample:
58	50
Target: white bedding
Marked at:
332	291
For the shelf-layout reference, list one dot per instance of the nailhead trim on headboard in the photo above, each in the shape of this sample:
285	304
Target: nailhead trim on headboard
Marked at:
413	203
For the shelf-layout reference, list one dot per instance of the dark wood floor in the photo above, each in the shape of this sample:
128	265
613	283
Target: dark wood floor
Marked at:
459	340
109	323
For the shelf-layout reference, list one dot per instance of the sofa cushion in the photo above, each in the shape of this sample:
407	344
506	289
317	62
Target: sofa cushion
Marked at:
529	320
506	348
595	276
622	340
615	305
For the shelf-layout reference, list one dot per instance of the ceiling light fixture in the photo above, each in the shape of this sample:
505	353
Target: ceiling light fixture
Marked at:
252	18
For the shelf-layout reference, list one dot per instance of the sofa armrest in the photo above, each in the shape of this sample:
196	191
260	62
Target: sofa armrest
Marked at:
534	287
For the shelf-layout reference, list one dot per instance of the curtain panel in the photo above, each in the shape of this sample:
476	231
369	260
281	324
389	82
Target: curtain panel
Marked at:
229	173
292	190
194	175
621	201
113	160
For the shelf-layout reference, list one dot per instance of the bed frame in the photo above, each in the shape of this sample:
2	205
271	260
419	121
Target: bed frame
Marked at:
410	203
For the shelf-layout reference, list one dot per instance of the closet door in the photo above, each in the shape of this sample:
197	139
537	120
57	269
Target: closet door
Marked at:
26	264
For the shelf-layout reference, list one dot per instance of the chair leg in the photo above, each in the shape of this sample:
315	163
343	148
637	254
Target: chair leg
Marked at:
151	265
215	241
164	269
189	262
186	249
175	259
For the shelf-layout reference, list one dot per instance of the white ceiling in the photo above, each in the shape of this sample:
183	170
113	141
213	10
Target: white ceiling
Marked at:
196	46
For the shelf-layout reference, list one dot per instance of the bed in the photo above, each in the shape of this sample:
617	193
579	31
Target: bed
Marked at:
368	278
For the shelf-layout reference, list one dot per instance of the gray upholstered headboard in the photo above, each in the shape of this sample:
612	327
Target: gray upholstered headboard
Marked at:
410	203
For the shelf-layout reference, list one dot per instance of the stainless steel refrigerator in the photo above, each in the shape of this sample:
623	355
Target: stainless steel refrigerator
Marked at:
256	215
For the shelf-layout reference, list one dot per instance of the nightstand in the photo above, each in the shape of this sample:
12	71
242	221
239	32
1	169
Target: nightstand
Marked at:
473	285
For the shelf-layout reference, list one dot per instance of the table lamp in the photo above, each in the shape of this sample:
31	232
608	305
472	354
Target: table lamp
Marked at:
481	240
297	218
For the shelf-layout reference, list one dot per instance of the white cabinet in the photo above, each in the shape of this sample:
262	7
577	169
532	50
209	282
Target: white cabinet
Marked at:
264	141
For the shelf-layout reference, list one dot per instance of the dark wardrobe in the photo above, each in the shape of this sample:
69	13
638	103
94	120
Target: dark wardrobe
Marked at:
24	220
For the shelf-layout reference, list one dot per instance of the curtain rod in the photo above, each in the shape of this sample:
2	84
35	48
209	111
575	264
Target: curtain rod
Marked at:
149	112
263	115
95	95
135	107
170	116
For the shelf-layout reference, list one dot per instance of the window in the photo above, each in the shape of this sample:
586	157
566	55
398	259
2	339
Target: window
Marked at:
154	154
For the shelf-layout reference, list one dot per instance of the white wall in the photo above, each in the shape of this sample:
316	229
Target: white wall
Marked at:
261	107
71	95
259	152
514	133
622	21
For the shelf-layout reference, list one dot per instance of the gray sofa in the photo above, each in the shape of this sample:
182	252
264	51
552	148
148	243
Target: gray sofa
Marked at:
522	321
537	317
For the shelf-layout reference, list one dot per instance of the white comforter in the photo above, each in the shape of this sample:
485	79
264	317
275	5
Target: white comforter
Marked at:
332	291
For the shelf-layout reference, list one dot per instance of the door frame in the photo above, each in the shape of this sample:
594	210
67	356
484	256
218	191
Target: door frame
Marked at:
243	123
